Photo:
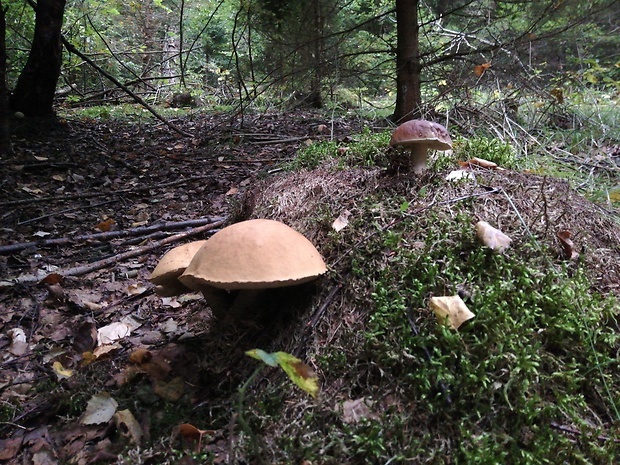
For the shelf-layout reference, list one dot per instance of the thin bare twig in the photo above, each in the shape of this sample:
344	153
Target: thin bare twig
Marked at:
86	195
72	49
168	226
84	269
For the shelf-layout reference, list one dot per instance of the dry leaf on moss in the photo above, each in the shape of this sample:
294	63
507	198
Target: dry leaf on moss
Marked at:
451	309
354	411
492	237
568	248
342	221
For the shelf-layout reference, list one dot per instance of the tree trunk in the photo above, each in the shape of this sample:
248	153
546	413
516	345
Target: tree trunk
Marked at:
34	92
408	67
316	80
6	149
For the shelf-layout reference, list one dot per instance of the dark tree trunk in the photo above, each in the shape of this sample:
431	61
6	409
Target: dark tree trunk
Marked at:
34	92
316	96
5	130
408	67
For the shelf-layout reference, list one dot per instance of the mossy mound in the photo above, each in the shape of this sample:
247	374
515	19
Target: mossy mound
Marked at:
532	378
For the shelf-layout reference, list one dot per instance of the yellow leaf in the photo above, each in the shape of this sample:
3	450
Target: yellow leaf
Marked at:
61	371
300	373
451	309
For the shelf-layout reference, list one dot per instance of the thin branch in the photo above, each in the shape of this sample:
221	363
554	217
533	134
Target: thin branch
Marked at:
168	226
84	269
72	49
87	195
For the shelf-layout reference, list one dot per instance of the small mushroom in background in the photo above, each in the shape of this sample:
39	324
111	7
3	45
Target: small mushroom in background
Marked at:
238	265
419	136
171	266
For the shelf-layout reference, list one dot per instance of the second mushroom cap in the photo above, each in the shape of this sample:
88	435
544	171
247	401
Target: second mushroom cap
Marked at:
421	132
418	136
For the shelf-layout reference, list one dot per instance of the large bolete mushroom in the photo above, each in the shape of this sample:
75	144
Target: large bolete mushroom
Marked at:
234	267
419	136
171	266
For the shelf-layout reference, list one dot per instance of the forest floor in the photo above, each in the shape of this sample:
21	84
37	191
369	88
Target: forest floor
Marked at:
91	179
87	210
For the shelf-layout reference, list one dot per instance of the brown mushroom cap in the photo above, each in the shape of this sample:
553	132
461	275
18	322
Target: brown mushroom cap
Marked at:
254	254
421	132
171	266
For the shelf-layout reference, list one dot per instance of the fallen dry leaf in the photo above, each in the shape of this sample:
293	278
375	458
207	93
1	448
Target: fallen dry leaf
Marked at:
85	337
106	349
492	237
136	289
100	409
342	221
129	427
171	391
106	225
192	436
568	248
10	447
457	175
451	309
480	69
140	356
112	332
353	411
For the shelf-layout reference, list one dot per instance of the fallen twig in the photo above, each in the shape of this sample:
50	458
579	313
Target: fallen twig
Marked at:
87	195
577	432
72	49
48	215
142	230
84	269
427	352
316	318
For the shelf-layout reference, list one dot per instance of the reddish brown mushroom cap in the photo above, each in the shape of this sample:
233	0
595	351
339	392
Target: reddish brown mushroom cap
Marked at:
171	266
418	136
254	254
421	132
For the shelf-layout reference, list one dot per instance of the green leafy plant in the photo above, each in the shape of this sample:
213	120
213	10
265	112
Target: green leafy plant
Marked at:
363	149
300	373
488	148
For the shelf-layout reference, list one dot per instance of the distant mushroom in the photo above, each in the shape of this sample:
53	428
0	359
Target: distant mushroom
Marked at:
419	136
171	266
237	264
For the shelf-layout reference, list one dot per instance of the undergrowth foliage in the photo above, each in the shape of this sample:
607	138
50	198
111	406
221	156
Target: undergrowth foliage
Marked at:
531	379
540	352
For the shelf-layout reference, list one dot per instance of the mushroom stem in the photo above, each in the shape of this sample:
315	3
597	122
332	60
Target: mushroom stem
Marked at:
417	158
